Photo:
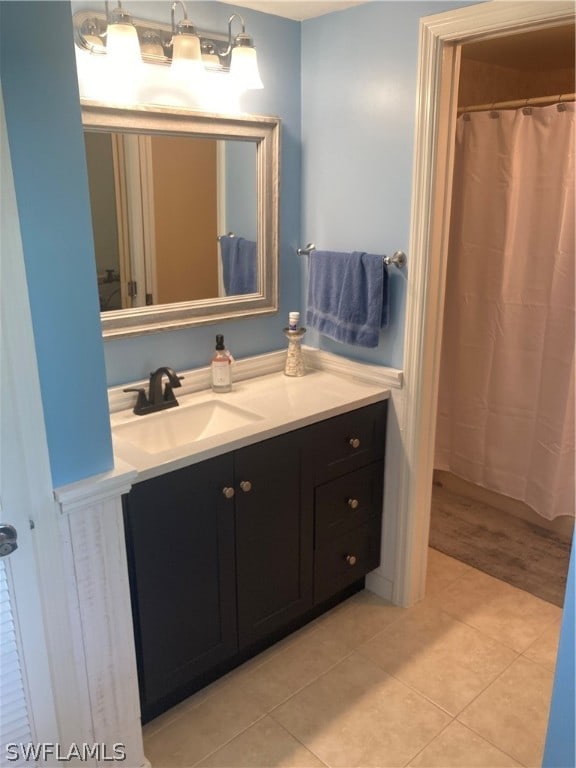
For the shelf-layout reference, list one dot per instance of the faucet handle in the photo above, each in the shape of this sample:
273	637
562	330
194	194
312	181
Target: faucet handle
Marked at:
142	403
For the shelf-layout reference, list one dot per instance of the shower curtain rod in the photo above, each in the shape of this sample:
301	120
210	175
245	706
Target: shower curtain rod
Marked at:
516	103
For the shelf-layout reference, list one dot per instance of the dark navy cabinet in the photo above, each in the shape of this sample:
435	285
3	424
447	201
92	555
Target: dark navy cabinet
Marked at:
181	556
273	538
228	555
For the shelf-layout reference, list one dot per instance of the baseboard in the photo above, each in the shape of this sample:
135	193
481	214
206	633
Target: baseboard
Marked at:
379	584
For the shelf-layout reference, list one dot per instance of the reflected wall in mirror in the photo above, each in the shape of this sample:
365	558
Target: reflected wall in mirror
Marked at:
185	215
160	205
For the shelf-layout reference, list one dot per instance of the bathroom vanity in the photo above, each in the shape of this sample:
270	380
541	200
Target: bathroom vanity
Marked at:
240	538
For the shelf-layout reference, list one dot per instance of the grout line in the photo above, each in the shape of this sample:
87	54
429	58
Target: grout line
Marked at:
225	743
309	683
430	742
482	735
306	746
489	741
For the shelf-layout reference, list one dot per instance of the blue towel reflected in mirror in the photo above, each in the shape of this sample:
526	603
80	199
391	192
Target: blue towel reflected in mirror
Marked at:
239	265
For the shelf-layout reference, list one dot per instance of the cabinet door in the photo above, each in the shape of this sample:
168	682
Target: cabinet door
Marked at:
274	538
180	534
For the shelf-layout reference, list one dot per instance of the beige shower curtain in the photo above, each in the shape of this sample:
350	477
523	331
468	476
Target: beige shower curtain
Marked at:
506	395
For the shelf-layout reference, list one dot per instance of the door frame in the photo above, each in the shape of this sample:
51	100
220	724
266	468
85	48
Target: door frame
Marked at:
438	72
25	473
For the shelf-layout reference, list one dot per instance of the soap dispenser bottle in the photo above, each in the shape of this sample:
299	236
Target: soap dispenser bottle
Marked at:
221	366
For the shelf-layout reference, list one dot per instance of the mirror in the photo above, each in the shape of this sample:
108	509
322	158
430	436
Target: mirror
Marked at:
185	215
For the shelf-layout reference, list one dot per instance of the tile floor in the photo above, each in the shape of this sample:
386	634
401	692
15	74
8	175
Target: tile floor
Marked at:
462	679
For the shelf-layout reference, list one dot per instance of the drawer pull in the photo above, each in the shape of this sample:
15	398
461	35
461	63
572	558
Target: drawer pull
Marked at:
354	442
353	503
246	486
351	560
228	492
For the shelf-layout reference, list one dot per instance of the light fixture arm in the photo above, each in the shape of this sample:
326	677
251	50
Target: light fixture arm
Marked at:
117	15
172	14
241	39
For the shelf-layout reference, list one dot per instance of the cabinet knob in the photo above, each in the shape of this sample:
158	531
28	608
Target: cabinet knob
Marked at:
354	442
353	503
228	492
246	486
351	560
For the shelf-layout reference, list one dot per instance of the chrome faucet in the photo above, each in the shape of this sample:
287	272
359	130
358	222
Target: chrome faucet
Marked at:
157	399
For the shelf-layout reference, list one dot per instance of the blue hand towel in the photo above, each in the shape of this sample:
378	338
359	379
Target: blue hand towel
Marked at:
347	296
239	265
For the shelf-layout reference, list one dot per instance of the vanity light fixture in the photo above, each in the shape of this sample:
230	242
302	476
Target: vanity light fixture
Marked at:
178	45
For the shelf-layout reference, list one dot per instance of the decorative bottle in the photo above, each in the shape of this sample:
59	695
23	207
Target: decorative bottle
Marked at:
221	366
294	359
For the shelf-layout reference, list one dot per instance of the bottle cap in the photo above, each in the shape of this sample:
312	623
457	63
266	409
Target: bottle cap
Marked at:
293	319
219	341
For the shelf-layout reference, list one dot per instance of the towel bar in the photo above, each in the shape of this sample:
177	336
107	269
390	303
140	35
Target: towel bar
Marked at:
398	258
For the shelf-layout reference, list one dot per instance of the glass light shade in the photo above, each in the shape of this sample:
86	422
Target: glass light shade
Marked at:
211	59
122	44
95	41
244	67
187	56
152	48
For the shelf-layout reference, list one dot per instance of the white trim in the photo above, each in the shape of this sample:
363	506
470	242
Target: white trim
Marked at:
381	581
197	379
135	216
145	153
124	268
375	374
424	306
220	206
95	490
102	634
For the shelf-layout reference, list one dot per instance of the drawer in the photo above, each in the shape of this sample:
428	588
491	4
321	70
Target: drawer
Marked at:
346	559
346	442
347	502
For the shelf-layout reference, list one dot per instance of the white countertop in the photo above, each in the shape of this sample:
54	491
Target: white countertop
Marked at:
282	404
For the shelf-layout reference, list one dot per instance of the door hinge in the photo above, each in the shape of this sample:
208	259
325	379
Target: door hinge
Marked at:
149	299
132	288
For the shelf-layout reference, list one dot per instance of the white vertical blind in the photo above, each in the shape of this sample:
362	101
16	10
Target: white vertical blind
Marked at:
14	718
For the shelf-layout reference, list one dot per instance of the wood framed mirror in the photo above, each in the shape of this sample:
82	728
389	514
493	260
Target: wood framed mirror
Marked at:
185	209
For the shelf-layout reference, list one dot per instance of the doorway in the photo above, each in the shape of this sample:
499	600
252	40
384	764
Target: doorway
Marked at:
503	484
439	65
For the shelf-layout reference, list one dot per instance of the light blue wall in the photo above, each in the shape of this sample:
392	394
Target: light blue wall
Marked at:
560	751
358	106
47	150
278	44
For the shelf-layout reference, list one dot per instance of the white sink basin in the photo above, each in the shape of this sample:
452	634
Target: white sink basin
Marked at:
162	431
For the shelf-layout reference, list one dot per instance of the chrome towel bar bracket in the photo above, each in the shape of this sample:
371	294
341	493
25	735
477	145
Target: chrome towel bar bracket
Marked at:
398	258
306	250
